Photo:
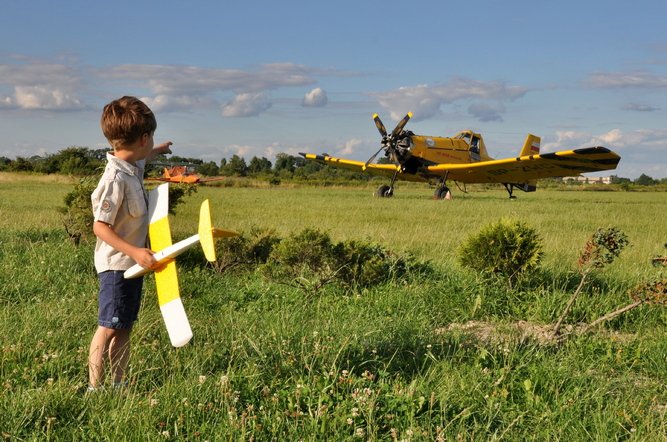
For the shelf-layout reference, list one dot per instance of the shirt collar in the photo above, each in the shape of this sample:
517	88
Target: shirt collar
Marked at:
124	166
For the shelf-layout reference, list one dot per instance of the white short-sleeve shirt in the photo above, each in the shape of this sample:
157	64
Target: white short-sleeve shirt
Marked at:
120	201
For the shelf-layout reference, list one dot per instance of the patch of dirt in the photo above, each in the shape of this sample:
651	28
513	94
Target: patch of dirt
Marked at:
520	332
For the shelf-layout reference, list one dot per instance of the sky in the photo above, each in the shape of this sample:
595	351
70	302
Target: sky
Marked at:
257	78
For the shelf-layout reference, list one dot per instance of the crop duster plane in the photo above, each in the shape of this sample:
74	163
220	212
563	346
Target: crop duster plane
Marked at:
166	278
464	159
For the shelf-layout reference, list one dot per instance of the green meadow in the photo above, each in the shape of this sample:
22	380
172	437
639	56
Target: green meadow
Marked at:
444	355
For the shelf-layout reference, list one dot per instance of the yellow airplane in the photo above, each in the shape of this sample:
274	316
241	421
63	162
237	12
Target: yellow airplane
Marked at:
166	278
464	159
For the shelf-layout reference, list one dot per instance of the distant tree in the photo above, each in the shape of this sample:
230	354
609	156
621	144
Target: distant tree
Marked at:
615	179
258	165
4	163
285	162
20	164
645	180
72	160
235	167
209	169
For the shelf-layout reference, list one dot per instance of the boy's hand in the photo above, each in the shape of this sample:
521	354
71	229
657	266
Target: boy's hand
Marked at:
163	148
144	257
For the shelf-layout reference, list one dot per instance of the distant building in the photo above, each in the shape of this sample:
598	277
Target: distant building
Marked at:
588	179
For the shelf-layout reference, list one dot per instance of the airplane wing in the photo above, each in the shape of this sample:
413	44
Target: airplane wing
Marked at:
530	167
166	278
359	166
213	178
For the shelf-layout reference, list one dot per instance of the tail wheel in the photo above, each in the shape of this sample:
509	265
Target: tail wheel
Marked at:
442	193
384	191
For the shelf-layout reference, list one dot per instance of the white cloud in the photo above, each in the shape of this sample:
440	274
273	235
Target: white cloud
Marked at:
627	79
160	103
246	105
43	97
40	86
425	101
179	87
637	107
176	79
315	98
351	146
615	139
486	112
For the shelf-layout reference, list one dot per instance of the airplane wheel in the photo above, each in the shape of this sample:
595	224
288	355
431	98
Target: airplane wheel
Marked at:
442	193
384	191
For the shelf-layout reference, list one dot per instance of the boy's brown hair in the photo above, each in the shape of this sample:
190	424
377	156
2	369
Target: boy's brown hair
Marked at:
125	120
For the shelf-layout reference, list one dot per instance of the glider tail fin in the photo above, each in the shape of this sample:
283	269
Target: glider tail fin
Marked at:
207	232
531	146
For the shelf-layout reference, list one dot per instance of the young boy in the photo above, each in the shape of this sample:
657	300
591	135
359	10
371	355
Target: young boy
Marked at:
121	227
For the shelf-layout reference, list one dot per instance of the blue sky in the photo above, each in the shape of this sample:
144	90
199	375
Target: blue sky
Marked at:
259	78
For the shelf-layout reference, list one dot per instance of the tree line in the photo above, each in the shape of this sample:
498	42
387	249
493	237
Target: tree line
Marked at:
81	161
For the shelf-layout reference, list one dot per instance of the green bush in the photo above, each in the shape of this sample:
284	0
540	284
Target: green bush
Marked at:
506	248
363	264
310	260
245	250
77	215
306	260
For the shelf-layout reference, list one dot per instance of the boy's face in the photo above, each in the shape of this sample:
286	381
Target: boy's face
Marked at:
146	145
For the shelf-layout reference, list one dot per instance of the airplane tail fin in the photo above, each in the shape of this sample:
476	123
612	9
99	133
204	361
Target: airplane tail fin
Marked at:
531	146
207	232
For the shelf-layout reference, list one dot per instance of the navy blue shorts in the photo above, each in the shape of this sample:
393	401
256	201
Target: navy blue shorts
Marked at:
118	300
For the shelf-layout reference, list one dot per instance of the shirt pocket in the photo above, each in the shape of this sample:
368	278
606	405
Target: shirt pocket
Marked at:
136	204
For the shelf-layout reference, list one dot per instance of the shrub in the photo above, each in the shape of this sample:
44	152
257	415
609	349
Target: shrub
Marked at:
506	248
363	264
602	248
305	260
310	260
77	215
251	250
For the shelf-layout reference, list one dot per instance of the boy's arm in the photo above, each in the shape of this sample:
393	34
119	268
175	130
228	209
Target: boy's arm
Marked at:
159	149
142	256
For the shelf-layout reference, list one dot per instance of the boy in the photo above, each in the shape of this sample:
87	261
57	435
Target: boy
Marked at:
121	227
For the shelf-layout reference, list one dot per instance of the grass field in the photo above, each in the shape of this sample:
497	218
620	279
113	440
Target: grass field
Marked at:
444	357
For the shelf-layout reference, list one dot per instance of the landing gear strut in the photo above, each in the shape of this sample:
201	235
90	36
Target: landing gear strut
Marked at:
385	191
510	189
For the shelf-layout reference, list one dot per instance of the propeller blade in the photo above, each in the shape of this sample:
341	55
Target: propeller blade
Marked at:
401	124
379	125
372	158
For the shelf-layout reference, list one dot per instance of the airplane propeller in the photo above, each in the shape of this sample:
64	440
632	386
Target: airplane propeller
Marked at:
389	141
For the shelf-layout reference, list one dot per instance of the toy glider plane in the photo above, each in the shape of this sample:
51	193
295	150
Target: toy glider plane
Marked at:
166	279
464	159
181	174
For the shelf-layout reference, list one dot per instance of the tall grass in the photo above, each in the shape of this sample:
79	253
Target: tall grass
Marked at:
268	363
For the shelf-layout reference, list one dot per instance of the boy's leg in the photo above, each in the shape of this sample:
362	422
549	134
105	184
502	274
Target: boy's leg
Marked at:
119	300
96	354
115	342
119	353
